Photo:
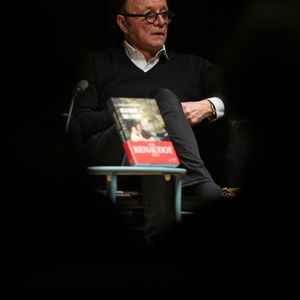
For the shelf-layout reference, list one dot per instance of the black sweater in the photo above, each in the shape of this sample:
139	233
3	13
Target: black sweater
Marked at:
110	73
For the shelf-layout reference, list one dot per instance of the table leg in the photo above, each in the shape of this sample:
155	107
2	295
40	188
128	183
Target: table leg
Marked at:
111	186
178	187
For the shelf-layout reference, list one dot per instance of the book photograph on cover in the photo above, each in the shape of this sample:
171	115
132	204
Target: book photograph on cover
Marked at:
143	132
145	129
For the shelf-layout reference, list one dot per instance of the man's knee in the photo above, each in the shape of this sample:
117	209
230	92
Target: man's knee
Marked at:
166	99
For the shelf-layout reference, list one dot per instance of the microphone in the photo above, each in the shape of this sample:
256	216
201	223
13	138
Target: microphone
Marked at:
80	88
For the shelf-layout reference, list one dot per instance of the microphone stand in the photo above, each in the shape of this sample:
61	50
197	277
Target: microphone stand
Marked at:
70	112
81	86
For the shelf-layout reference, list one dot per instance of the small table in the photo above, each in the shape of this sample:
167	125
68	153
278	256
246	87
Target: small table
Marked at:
112	173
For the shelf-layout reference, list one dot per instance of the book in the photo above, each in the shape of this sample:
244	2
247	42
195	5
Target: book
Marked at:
142	130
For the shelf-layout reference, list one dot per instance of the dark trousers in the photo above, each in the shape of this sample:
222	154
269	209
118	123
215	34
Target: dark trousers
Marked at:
105	148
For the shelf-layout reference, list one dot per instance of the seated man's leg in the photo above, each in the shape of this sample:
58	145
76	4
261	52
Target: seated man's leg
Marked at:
159	207
105	149
198	179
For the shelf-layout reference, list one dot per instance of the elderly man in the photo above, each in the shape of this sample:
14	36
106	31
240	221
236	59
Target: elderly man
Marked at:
186	87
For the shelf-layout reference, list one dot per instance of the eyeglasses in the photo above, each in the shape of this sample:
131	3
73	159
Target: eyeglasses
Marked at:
151	16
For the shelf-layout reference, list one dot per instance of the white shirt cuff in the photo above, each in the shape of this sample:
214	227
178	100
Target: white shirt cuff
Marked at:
219	106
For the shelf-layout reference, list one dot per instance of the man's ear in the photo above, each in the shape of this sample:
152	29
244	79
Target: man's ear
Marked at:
122	23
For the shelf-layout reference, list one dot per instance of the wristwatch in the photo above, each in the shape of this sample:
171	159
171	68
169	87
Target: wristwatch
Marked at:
214	113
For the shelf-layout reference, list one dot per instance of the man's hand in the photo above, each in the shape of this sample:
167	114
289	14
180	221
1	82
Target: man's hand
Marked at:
195	112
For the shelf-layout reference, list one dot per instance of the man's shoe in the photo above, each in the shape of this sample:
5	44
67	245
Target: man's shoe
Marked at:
230	193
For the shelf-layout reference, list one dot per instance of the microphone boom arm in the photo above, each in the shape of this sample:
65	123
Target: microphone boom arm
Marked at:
80	88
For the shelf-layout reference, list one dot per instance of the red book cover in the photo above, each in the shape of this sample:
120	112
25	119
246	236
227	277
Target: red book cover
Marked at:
142	130
155	152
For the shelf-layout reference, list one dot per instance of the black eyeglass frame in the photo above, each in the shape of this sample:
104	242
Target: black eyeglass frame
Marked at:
165	14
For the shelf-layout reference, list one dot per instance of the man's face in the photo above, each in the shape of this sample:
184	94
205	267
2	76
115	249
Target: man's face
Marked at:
148	38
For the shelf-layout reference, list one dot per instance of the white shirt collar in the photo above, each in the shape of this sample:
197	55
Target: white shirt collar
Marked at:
135	54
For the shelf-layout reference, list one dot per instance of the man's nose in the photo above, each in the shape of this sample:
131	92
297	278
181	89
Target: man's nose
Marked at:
160	20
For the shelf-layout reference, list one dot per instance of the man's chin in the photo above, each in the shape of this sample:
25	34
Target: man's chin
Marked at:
158	44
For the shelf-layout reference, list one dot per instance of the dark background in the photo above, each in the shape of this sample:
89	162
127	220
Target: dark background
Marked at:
45	40
42	43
